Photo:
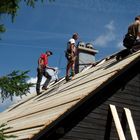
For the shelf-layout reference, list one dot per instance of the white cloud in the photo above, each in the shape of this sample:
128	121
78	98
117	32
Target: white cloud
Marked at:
120	45
107	37
110	26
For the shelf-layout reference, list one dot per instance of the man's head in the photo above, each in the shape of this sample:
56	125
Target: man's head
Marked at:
75	36
137	18
49	53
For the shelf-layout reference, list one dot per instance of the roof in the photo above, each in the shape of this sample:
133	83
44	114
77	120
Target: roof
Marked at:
38	115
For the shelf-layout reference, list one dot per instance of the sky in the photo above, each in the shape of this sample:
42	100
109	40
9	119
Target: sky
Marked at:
50	25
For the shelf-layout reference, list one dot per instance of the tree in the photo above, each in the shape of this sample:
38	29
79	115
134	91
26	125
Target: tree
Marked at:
14	84
3	127
10	7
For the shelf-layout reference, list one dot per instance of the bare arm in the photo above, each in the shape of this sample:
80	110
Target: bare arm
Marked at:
72	48
40	62
138	31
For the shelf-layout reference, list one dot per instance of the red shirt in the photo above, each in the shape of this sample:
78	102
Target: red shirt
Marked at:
44	63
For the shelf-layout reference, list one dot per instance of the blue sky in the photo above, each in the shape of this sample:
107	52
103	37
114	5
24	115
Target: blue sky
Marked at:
48	26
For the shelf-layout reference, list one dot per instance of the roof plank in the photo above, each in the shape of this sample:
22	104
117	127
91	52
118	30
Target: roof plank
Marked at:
29	117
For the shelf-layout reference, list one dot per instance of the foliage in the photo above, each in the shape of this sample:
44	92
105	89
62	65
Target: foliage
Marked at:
10	7
2	28
14	84
2	135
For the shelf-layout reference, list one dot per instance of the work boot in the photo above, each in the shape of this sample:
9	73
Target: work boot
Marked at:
38	92
44	88
67	78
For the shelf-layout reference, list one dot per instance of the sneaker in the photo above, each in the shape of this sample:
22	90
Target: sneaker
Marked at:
44	88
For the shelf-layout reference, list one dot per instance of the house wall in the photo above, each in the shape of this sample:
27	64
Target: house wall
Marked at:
93	126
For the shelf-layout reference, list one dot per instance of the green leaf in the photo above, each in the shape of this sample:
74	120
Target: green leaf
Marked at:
14	84
4	136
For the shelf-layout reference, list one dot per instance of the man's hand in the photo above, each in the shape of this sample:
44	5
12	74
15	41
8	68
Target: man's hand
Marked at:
53	69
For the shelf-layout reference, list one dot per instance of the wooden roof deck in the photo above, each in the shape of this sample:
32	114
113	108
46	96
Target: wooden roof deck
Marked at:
38	114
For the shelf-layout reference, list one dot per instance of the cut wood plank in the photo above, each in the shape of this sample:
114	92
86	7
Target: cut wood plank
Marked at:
67	98
131	124
36	120
117	122
24	134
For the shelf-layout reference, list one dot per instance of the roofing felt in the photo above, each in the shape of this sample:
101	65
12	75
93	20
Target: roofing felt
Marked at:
35	116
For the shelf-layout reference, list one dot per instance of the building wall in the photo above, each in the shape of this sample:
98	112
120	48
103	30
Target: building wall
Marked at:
93	126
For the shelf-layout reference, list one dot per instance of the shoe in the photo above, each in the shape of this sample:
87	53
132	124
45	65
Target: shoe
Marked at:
38	92
56	80
67	78
44	88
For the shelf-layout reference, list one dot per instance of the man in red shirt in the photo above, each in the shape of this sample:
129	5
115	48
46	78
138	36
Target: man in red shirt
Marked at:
41	71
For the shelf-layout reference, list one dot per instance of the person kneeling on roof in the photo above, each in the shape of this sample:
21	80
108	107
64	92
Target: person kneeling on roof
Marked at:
132	38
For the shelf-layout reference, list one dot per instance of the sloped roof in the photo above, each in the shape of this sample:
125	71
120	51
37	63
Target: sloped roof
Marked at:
31	118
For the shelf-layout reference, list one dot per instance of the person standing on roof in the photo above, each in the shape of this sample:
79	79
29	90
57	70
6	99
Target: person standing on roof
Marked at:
41	71
71	55
132	38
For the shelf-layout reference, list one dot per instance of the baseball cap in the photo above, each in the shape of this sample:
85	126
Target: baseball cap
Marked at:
72	41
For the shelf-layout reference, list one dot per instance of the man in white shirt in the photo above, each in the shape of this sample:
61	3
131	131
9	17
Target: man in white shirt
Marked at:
71	55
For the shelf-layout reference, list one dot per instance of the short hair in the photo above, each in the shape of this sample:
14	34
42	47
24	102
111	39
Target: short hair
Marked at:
75	34
49	52
137	17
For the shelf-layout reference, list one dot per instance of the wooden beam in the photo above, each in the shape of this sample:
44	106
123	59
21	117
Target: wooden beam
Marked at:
117	122
131	124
